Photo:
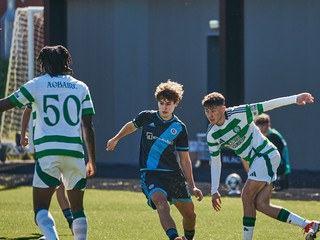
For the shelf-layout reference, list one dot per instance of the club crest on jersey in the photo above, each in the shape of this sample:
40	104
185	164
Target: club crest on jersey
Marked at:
236	129
173	131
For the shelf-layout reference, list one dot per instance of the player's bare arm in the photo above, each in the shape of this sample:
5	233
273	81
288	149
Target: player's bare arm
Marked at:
186	166
6	104
89	139
304	98
24	141
127	129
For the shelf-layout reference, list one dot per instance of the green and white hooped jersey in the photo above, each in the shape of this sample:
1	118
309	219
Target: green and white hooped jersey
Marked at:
58	104
239	133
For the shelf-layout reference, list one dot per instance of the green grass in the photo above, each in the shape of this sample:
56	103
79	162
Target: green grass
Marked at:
117	215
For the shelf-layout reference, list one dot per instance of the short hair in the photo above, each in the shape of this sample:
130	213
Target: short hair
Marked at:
213	99
55	60
262	119
169	90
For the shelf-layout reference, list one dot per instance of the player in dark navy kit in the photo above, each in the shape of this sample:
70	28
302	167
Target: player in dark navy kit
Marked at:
163	176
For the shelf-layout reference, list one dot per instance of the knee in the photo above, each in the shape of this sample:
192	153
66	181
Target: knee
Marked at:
261	205
247	198
161	204
192	216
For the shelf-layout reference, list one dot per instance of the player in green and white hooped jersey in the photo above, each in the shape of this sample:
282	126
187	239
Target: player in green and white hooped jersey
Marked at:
234	128
62	114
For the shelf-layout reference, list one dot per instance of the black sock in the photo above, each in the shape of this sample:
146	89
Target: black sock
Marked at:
68	215
189	234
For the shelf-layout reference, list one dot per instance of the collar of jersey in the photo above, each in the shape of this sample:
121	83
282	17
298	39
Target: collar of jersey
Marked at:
170	120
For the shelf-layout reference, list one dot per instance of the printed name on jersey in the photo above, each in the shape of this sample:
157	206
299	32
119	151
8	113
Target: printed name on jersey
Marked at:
61	85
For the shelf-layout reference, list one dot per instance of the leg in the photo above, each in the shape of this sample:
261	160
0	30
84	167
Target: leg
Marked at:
189	217
248	196
79	224
64	203
44	220
263	205
163	209
262	202
62	198
249	193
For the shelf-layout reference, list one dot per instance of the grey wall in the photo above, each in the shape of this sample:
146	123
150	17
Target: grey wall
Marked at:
282	58
123	49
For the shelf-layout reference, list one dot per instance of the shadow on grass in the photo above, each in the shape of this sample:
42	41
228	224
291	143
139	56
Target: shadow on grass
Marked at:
32	236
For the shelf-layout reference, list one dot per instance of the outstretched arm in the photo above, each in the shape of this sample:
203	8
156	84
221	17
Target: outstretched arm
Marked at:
186	166
128	128
89	139
300	99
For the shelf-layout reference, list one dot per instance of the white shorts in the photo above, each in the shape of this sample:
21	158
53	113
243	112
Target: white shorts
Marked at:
264	168
50	170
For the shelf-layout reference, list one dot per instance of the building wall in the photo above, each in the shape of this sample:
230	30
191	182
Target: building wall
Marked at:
124	49
282	58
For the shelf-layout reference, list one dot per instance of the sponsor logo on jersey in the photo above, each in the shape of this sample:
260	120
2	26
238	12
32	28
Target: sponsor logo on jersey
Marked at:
254	110
16	94
151	186
149	135
235	142
61	85
253	174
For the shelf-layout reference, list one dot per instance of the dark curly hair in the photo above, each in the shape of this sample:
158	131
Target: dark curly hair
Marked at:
55	60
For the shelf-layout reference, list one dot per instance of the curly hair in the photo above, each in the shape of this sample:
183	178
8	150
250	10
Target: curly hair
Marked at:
169	90
55	60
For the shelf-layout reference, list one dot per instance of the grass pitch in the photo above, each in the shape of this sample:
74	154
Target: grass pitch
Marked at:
117	215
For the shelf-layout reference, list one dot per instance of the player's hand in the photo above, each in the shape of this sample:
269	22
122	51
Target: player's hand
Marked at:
216	201
304	98
91	169
111	144
24	141
197	193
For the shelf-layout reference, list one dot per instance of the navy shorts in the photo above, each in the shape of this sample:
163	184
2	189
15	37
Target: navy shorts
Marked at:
171	183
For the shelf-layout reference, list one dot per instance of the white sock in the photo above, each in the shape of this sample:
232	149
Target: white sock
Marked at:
80	228
297	220
46	224
247	233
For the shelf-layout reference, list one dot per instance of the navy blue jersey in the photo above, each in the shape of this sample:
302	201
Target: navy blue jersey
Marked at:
160	140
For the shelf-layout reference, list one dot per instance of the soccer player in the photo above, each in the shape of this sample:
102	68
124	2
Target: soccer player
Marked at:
62	114
234	128
60	192
163	179
263	122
